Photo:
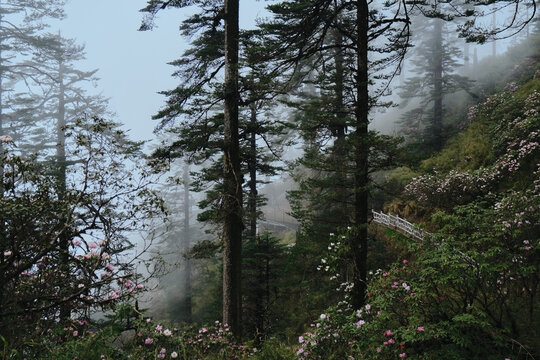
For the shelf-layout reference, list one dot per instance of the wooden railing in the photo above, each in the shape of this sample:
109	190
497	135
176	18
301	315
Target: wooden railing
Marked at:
395	222
410	230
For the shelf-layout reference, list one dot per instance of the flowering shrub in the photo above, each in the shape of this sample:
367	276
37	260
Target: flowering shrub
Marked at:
146	339
210	342
470	291
516	146
472	281
64	248
430	307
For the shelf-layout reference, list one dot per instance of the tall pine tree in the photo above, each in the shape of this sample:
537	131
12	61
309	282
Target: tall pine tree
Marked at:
224	58
435	67
302	30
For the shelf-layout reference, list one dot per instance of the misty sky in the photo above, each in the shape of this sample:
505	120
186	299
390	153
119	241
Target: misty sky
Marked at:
133	64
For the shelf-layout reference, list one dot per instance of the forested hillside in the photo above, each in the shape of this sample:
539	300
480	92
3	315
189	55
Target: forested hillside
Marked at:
251	227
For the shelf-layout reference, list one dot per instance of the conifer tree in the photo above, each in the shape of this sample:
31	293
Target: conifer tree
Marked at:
198	98
187	296
179	236
322	202
301	31
21	24
434	66
232	178
58	96
57	100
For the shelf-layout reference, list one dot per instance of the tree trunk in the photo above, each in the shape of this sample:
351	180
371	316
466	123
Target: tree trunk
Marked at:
436	126
252	202
187	316
232	178
60	134
266	302
361	143
1	110
65	310
258	293
340	146
2	235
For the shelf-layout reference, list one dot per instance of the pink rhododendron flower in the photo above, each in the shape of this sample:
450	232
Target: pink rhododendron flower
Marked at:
402	355
148	341
420	328
406	287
